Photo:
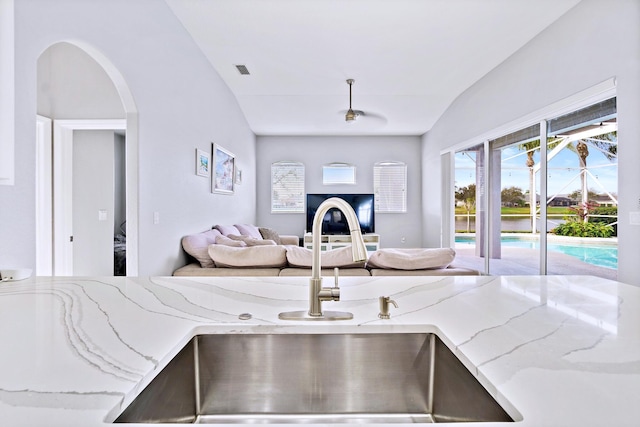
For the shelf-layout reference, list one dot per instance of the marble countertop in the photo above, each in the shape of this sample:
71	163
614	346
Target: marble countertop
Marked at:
554	350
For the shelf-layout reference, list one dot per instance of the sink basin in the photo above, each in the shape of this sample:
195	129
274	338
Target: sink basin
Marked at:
314	378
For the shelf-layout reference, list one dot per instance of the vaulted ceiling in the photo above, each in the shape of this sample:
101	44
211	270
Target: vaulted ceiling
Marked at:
409	58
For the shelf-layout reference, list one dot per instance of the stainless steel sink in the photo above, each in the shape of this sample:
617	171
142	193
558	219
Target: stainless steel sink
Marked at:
314	378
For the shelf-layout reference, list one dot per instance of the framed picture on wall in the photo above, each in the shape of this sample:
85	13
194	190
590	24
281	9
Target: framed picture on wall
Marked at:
223	174
202	162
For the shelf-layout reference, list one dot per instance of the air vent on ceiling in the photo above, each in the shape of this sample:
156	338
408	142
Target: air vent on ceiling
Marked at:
243	70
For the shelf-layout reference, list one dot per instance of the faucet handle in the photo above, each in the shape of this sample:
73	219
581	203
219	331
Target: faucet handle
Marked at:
384	307
331	294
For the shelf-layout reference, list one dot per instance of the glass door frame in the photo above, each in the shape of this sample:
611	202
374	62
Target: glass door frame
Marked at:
597	93
492	220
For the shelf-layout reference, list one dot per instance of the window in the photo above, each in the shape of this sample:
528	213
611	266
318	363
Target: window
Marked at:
338	173
287	187
390	186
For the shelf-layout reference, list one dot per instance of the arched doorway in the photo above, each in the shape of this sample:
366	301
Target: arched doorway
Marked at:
81	90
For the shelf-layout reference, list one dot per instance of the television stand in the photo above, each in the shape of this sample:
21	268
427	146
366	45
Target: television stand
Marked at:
335	241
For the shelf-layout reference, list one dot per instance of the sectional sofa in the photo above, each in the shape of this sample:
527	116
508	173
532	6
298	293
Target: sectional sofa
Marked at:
249	250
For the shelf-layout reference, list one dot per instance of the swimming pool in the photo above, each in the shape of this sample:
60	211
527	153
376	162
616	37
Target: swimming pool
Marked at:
600	255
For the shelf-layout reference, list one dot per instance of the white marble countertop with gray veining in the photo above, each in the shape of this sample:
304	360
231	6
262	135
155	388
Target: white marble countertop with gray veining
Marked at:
554	350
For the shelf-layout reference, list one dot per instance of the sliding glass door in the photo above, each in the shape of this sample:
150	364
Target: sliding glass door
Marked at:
582	184
522	207
469	215
514	203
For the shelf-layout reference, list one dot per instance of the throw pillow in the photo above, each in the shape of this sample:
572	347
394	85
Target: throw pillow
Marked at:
251	241
270	234
249	257
342	258
227	241
412	259
248	230
226	229
197	246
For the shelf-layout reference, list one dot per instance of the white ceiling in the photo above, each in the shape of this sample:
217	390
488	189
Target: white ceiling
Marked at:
410	58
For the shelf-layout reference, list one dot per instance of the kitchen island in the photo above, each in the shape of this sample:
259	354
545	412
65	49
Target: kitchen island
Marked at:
552	350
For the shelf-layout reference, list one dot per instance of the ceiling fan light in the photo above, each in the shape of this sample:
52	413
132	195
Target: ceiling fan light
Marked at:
350	116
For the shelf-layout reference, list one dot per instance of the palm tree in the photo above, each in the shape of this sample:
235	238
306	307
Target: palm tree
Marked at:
583	152
607	144
531	147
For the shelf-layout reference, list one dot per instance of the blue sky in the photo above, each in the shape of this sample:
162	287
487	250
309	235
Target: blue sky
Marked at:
561	170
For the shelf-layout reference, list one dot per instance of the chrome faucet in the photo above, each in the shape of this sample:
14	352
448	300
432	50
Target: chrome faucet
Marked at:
317	293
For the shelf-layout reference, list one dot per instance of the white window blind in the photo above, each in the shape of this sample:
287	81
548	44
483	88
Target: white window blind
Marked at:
287	187
390	186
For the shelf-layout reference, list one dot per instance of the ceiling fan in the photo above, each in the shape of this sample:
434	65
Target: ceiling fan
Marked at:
351	115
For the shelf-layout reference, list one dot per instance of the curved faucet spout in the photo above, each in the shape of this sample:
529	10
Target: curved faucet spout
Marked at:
359	251
358	248
317	293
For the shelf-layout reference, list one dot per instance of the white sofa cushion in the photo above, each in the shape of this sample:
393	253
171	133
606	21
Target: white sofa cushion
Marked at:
341	257
249	257
412	258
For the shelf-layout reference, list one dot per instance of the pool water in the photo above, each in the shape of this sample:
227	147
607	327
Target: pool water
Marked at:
602	255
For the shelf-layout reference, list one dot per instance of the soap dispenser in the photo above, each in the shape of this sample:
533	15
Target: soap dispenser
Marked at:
384	307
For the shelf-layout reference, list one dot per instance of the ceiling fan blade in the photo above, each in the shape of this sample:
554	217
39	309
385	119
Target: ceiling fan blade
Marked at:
365	116
352	115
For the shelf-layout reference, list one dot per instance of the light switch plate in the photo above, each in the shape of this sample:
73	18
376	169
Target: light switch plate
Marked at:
634	218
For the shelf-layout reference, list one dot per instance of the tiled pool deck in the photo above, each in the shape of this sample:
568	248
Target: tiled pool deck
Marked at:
522	261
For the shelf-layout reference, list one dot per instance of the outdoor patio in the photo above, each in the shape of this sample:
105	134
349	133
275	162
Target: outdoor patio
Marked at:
523	261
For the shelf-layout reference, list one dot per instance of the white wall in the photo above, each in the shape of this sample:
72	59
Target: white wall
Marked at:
182	105
595	41
7	93
363	152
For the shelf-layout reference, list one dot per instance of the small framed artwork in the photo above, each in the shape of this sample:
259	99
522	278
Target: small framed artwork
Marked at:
238	179
202	162
223	173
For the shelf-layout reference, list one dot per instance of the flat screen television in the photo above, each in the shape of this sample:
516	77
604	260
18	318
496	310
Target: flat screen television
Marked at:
334	221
